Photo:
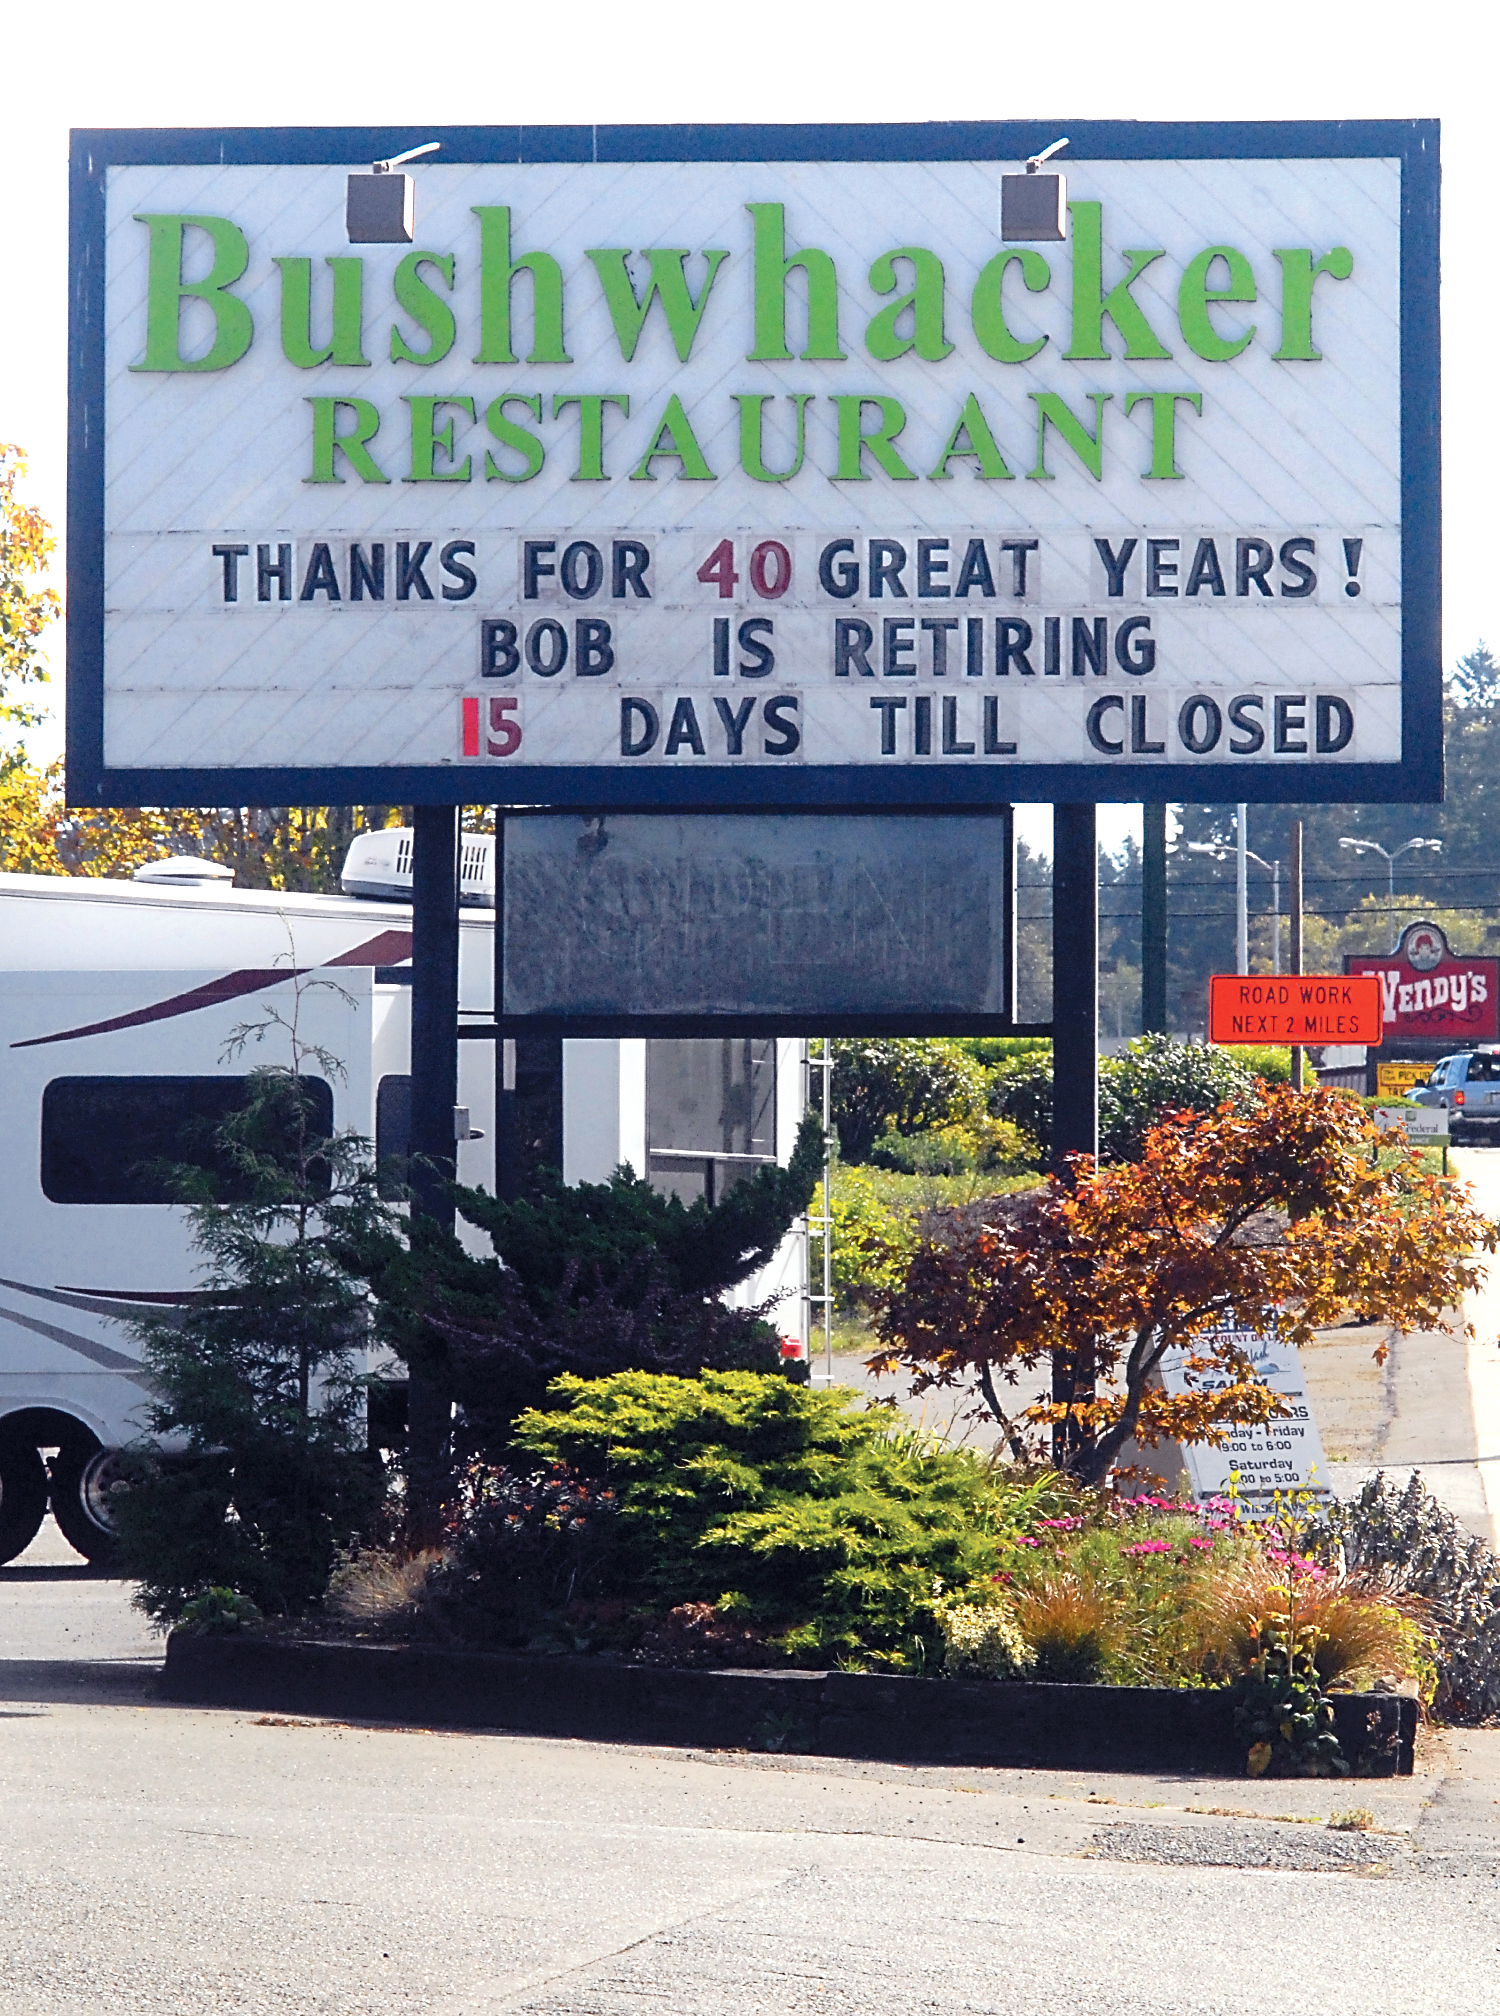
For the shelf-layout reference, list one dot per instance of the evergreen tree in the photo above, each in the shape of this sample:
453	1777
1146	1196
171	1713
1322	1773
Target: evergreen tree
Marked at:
586	1278
256	1377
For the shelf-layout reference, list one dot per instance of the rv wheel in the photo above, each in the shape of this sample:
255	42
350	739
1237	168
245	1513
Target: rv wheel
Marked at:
23	1495
81	1480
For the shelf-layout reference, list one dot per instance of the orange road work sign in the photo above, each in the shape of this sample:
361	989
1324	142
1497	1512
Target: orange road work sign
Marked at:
1301	1008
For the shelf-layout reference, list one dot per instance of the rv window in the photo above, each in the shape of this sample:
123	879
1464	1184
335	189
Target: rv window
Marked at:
119	1140
710	1114
392	1136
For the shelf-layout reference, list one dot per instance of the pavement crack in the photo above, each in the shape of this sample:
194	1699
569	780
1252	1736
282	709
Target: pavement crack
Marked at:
509	1997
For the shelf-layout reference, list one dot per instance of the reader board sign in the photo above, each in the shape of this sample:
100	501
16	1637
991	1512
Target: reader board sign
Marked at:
700	468
1284	1455
1301	1009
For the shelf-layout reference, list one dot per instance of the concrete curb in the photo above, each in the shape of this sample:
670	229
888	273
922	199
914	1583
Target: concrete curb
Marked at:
875	1716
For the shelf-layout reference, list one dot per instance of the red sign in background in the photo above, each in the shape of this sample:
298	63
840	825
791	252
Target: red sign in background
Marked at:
1428	992
1305	1009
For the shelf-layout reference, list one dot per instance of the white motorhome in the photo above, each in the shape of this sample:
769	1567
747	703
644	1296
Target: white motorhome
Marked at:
120	1008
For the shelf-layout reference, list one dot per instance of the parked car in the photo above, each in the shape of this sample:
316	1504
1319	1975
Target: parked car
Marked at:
1468	1085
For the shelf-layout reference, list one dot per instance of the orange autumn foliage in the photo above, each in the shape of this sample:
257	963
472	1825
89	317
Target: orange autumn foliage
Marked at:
1279	1213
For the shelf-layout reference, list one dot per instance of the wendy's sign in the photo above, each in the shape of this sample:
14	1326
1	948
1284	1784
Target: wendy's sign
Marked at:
1428	992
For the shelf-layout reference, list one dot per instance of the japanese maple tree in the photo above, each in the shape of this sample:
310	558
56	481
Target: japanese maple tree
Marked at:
1231	1218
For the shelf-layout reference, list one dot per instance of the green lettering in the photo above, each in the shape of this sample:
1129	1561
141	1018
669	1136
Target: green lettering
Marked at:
346	344
752	407
1052	410
1298	272
771	269
428	310
853	442
925	302
591	407
668	284
1090	302
165	289
427	438
1164	467
674	436
1195	297
497	272
354	446
987	309
521	439
974	430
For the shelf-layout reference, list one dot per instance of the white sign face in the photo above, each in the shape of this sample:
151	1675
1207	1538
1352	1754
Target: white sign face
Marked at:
1428	1123
754	482
1284	1455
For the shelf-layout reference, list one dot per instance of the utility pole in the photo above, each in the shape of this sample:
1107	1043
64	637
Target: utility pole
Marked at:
1154	918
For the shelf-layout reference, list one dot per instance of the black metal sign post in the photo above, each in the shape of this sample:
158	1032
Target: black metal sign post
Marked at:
1075	981
434	1092
1075	1035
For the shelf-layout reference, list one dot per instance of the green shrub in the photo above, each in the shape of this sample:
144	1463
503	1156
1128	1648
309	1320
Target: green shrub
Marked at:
794	1511
1020	1090
871	1236
1266	1060
216	1612
961	1149
983	1641
901	1085
876	1214
586	1278
1158	1075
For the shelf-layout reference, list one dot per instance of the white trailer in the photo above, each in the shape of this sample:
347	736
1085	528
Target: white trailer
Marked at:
119	1007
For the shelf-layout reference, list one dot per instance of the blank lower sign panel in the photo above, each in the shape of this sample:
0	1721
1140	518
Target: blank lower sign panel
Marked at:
752	914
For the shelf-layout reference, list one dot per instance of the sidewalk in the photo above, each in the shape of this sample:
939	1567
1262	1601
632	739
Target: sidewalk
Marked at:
1434	1406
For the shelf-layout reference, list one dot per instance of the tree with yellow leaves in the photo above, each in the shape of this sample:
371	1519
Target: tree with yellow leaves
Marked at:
26	605
284	847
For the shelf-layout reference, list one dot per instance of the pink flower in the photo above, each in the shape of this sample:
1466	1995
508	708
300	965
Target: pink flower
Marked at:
1150	1547
1204	1546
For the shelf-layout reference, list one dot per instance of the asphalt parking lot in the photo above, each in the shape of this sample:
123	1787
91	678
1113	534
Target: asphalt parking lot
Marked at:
163	1861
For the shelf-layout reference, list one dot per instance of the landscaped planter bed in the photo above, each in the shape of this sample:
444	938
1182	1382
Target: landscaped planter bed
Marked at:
876	1716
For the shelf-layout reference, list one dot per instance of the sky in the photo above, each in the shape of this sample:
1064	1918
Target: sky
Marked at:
83	64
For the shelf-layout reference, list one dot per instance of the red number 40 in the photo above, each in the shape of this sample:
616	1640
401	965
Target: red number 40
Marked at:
770	570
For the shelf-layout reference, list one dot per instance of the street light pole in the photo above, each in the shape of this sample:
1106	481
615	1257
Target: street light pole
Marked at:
1391	856
1243	856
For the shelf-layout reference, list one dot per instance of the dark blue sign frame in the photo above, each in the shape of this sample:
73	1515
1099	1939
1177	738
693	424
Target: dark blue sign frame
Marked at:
1418	778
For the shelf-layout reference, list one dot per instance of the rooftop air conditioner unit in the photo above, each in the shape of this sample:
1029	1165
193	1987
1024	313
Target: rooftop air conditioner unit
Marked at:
378	865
